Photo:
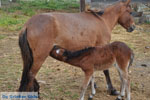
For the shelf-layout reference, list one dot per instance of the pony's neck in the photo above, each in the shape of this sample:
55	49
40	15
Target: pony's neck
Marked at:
111	17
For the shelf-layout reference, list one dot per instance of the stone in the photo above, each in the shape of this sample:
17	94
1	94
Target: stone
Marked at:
147	47
144	19
140	7
143	65
42	82
137	14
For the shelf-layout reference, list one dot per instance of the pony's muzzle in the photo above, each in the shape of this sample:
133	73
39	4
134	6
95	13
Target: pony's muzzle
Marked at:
131	28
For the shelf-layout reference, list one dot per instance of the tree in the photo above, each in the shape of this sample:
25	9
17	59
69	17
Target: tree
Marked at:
0	4
82	5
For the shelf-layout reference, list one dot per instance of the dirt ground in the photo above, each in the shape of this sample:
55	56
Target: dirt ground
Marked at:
60	81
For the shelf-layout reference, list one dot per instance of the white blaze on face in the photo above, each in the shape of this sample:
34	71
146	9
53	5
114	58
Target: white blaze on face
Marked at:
58	51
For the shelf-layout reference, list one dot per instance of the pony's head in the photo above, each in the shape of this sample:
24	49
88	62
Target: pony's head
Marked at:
125	18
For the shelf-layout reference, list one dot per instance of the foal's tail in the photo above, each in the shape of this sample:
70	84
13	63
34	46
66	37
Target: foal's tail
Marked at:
27	59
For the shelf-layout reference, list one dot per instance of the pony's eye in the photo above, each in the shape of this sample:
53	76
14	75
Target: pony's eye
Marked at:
130	13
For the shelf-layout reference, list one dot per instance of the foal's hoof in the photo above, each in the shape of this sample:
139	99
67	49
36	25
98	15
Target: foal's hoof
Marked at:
90	97
114	92
119	98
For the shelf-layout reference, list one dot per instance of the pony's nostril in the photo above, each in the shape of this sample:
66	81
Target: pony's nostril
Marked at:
130	29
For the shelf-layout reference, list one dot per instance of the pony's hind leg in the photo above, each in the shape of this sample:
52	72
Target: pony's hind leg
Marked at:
36	85
33	84
39	56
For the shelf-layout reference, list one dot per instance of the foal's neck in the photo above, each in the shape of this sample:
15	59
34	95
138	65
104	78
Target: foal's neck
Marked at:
111	17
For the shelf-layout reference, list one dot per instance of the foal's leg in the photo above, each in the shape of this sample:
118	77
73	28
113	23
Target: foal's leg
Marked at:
122	87
93	89
128	88
125	82
111	89
125	86
88	76
92	86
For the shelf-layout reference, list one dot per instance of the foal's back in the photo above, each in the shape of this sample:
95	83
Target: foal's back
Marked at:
103	57
123	54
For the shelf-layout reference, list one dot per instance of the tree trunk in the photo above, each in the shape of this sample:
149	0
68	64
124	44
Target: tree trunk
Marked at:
0	4
82	5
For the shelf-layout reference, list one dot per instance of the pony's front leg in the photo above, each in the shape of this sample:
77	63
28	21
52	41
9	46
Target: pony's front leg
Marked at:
111	89
88	76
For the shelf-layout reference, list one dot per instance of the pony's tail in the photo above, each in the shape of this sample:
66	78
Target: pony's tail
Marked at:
27	58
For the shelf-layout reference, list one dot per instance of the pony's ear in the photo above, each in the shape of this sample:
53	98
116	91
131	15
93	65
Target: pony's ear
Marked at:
126	2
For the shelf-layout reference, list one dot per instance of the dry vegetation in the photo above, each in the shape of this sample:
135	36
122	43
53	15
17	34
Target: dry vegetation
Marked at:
60	81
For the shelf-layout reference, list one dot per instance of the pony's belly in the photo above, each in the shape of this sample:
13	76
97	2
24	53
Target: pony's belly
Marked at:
99	67
75	43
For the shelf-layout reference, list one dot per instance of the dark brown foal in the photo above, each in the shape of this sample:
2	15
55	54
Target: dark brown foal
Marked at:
99	58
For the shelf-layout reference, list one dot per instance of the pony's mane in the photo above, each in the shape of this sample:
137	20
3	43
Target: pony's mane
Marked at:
71	55
100	13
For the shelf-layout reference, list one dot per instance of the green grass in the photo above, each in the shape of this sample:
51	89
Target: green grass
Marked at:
12	22
29	8
15	15
2	37
147	22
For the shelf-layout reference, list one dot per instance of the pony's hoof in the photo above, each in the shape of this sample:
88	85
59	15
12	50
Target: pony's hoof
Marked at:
90	98
114	92
95	86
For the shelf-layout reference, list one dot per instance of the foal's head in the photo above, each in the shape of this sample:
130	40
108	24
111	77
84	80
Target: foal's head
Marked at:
58	53
125	17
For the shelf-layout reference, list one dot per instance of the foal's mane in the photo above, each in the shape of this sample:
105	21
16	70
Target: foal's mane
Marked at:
70	55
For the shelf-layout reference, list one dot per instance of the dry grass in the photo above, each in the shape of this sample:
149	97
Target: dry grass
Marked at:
60	81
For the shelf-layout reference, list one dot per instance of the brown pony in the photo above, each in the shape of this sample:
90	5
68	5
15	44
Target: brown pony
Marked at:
73	31
99	58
